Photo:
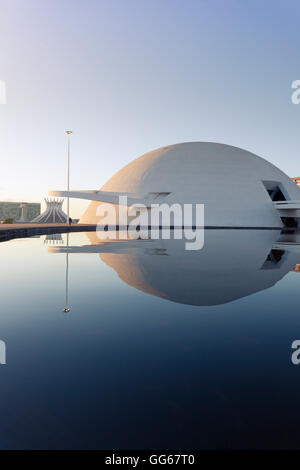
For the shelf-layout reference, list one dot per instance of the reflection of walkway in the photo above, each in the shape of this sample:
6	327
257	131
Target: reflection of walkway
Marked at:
10	231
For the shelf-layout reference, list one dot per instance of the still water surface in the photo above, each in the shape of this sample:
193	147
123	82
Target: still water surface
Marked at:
162	348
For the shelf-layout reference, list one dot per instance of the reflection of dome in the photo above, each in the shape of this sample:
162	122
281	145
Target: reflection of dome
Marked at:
232	264
237	187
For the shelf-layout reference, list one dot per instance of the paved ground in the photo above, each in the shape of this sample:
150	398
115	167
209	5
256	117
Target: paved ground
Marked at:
9	231
22	226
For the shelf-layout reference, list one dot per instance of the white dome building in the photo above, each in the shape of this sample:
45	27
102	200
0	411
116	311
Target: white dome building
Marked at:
237	188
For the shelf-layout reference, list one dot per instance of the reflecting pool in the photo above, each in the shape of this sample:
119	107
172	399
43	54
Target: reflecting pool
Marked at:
162	347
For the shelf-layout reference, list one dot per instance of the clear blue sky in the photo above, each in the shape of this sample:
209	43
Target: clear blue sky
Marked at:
128	76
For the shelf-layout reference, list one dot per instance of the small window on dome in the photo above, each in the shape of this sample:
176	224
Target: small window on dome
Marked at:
275	190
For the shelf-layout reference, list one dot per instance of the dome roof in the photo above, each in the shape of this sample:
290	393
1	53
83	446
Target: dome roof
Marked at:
231	182
170	166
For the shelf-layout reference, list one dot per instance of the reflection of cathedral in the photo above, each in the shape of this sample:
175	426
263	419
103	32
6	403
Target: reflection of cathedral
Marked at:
53	239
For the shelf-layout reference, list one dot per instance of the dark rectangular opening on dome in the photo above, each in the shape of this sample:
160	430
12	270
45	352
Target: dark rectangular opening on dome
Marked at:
290	222
275	190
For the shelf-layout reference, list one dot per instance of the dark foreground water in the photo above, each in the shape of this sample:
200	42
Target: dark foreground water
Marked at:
162	347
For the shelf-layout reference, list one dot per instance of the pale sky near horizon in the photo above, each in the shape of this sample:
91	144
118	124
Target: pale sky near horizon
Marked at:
129	76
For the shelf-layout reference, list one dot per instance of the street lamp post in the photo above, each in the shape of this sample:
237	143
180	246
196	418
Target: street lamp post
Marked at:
67	308
68	183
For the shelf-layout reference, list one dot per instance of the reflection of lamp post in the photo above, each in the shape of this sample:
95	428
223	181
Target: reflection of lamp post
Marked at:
68	184
67	309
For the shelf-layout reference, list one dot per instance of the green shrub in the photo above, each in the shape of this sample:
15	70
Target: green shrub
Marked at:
8	220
